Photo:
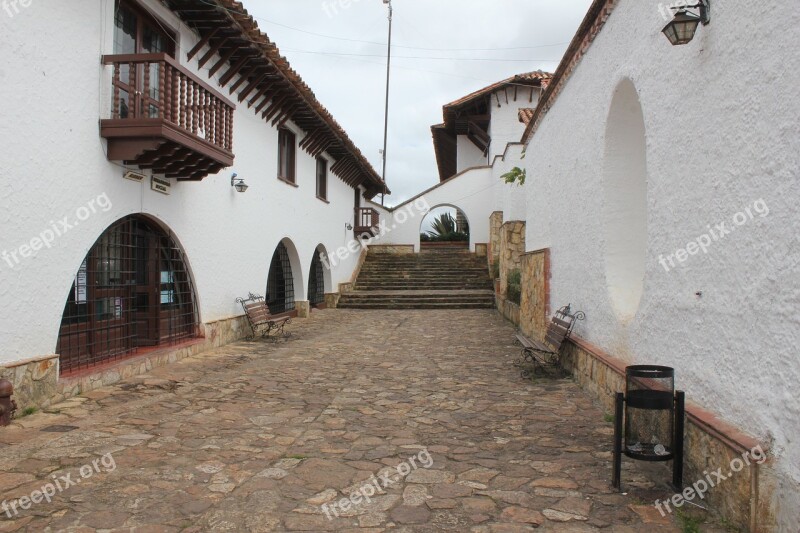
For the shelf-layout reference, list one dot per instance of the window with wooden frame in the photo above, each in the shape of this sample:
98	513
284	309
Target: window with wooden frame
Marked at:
286	155
322	178
136	32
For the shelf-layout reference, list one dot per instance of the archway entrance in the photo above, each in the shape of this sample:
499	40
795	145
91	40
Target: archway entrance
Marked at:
444	226
133	290
280	283
316	280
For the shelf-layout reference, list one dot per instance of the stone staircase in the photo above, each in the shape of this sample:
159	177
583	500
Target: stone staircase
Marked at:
433	279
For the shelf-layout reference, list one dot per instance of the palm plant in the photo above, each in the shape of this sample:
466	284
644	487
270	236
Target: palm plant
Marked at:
443	225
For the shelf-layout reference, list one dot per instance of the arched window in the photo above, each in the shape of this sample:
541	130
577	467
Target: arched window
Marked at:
316	280
280	283
133	290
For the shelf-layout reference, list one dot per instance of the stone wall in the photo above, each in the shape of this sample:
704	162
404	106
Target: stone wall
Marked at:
512	247
481	249
535	298
35	381
495	223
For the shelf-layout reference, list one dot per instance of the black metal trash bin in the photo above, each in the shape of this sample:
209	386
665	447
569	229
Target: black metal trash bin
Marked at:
653	415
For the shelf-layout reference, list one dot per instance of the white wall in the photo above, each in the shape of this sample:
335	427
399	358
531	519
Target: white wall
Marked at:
470	192
468	155
53	162
504	106
721	121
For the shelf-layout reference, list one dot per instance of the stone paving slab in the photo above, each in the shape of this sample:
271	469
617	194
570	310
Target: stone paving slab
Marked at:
423	406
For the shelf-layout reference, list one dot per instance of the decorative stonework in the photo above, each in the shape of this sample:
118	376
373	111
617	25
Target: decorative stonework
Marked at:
34	380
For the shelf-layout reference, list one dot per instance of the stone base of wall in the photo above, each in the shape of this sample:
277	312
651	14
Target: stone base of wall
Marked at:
398	249
303	308
37	383
508	309
332	300
481	249
745	498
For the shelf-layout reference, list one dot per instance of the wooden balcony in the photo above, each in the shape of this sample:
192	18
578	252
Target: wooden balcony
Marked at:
367	220
166	119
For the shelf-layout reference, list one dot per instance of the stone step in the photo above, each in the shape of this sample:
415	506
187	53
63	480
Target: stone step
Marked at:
439	305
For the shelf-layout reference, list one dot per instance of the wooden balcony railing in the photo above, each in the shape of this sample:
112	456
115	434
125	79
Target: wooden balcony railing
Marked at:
165	118
367	220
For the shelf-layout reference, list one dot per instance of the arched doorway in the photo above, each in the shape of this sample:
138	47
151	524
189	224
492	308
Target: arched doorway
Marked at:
280	283
133	290
319	277
444	226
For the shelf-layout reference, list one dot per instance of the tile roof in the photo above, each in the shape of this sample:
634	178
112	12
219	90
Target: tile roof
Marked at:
536	78
242	22
526	114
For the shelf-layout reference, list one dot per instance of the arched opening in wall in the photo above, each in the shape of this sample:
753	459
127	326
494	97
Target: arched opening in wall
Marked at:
132	291
280	283
317	282
444	226
625	201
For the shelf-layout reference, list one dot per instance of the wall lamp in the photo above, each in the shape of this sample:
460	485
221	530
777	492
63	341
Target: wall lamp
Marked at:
240	185
348	226
682	27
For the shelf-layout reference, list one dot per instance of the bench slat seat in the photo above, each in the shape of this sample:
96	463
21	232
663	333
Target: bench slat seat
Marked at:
547	354
259	317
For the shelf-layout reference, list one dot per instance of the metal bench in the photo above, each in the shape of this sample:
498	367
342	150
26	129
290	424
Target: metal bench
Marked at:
547	354
259	317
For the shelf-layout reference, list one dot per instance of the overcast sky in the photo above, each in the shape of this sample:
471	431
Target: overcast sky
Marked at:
441	51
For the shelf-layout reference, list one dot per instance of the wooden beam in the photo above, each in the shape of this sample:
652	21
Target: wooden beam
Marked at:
249	88
222	61
213	50
244	78
267	100
275	107
201	43
231	72
258	95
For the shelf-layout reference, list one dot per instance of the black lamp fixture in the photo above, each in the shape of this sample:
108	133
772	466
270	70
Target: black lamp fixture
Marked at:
239	184
682	27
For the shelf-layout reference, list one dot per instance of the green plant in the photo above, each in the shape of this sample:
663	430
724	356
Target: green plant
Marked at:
608	417
513	286
297	456
516	175
689	524
495	269
27	412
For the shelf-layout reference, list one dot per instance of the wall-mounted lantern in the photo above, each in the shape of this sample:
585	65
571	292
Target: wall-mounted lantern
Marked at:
239	184
682	27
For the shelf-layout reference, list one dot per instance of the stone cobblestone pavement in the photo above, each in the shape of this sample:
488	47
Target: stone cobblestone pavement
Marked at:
256	436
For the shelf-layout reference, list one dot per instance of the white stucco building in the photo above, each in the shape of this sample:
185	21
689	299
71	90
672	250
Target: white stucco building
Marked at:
176	97
661	183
